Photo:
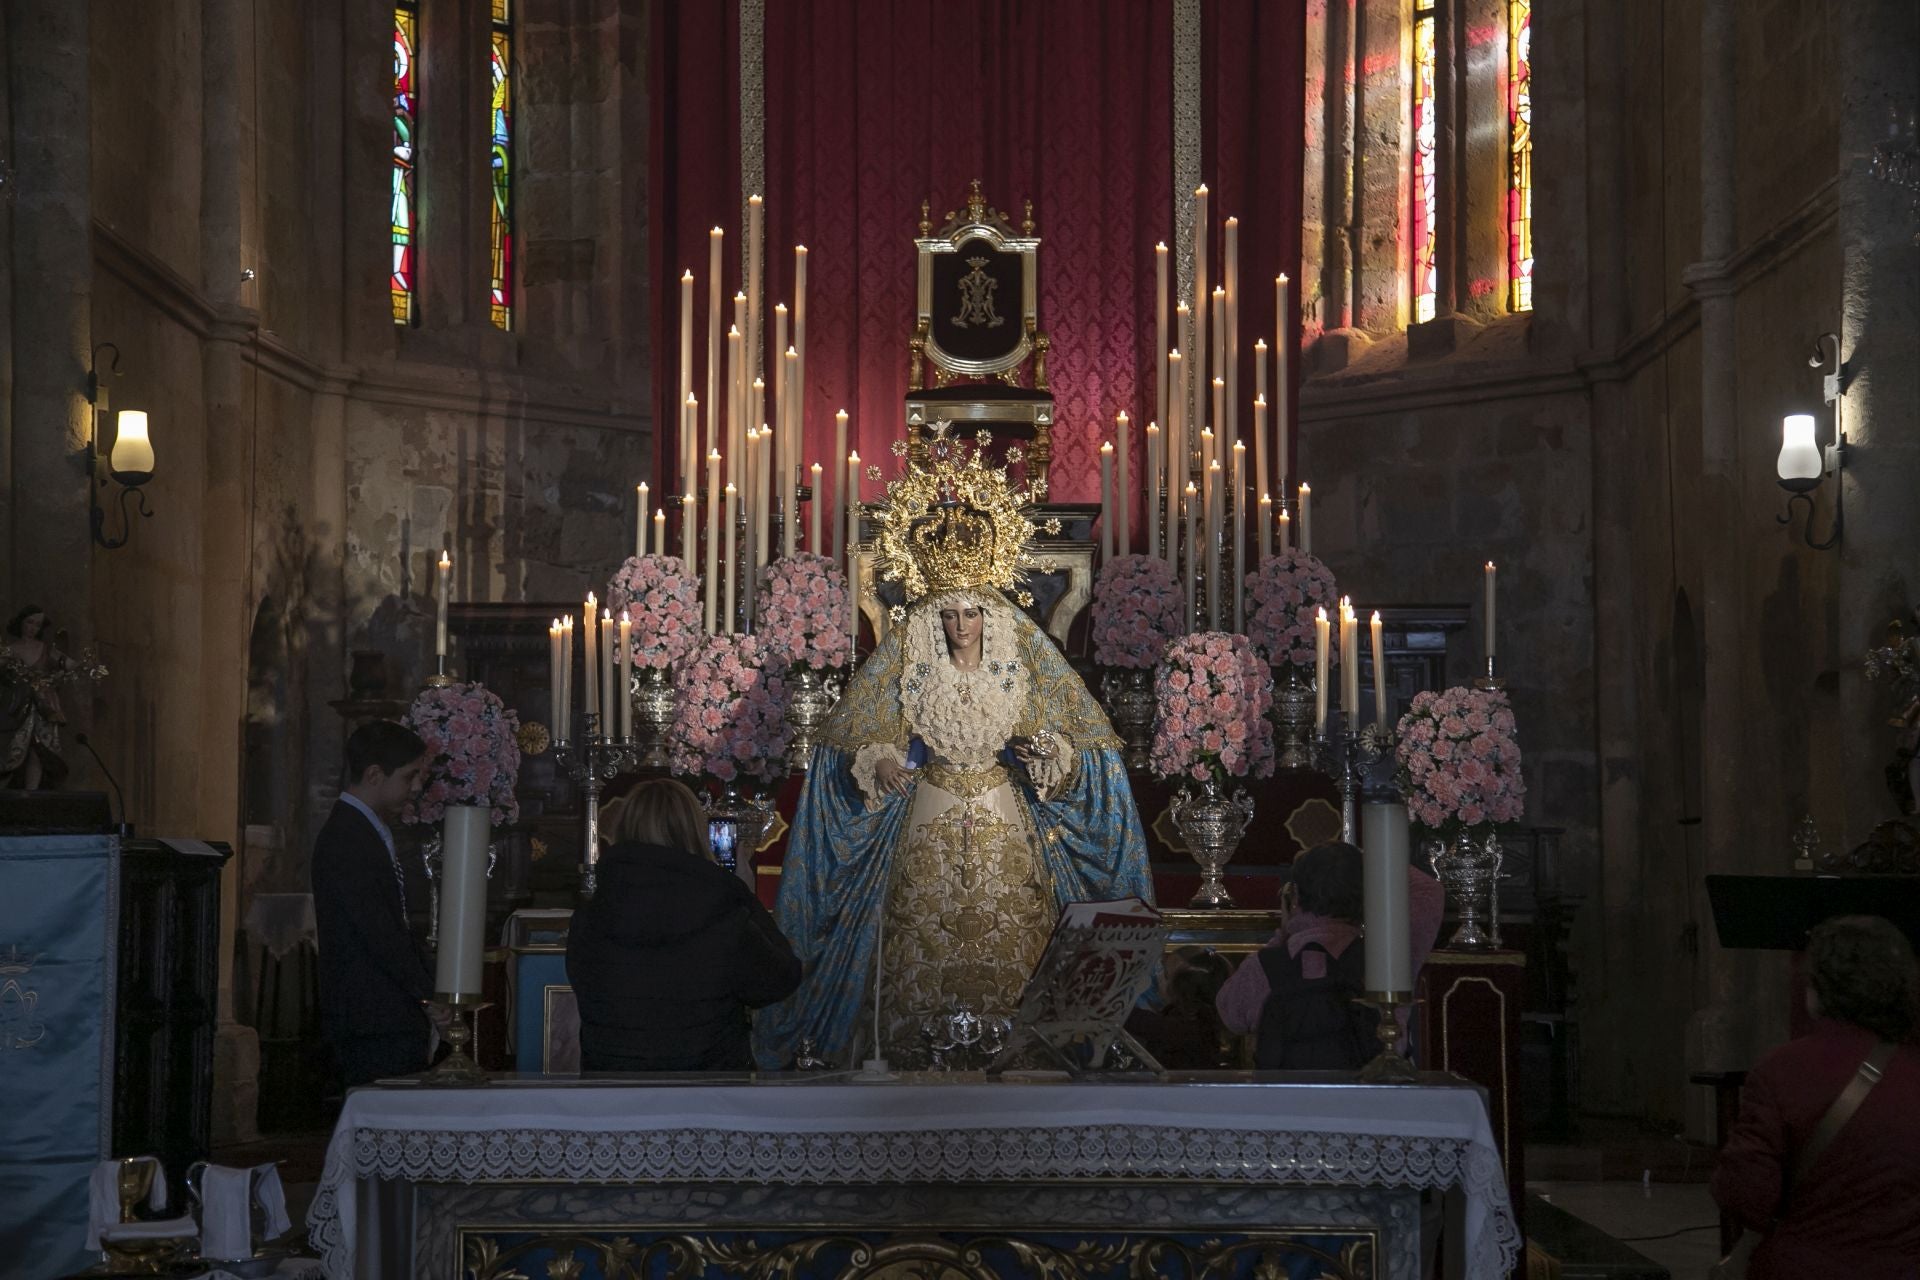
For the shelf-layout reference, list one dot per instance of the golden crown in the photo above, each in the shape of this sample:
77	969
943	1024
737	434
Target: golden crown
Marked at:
954	522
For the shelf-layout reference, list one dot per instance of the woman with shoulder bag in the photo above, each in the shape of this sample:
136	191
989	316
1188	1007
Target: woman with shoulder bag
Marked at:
1824	1161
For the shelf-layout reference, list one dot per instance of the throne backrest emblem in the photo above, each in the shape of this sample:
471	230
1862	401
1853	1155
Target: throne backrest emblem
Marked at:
978	285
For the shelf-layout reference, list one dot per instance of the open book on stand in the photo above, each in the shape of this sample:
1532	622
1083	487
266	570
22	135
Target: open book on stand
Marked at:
1102	957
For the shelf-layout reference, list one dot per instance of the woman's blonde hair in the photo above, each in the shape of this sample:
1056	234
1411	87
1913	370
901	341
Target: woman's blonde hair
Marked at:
663	811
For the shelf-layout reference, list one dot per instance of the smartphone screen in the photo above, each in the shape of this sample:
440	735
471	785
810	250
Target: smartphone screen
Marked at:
721	834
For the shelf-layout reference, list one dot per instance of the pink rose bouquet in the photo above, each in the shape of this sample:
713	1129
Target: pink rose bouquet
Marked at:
1136	611
473	753
1460	761
1211	697
664	600
1287	588
730	714
802	610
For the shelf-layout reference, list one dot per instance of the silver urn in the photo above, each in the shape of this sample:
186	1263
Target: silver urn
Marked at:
1293	713
1211	824
1468	866
811	696
1127	693
653	706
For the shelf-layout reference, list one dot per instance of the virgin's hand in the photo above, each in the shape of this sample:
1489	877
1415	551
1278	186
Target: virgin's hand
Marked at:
894	779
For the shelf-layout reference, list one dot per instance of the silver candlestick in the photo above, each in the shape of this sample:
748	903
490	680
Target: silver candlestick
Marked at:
1353	760
592	761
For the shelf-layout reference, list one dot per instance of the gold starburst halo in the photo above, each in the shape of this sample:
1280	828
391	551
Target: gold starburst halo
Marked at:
955	523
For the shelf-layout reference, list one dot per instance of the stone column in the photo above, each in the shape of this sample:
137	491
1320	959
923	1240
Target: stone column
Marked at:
1879	46
226	526
50	545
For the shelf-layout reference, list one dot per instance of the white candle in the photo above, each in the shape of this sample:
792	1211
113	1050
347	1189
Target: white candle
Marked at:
444	591
640	520
610	695
1216	531
1162	341
779	414
798	381
660	531
555	721
733	564
625	682
686	341
733	406
1349	664
1239	585
1379	675
852	491
713	540
716	240
1175	447
588	630
690	478
1491	572
1286	530
1261	476
1196	346
1306	518
789	461
1106	501
1260	470
1384	850
814	474
1322	661
463	900
763	539
1123	538
1282	358
1193	518
840	489
1231	297
756	330
1155	477
1222	427
566	678
690	529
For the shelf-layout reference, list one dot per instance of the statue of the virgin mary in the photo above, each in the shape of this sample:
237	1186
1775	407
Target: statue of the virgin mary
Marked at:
965	789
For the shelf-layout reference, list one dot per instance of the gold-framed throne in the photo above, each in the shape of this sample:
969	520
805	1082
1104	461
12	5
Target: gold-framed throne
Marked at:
977	331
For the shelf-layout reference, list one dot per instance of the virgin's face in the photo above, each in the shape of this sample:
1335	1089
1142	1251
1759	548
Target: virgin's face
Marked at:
963	626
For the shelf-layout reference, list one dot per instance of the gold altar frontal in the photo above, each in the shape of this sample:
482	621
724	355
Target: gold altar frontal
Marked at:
954	1176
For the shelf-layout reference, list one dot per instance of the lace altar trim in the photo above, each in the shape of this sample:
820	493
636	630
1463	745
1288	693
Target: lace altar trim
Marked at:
934	1155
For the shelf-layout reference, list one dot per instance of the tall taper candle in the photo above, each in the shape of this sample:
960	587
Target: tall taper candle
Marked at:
732	518
788	455
1239	495
1156	476
852	491
1384	851
839	484
1260	468
690	528
756	331
1222	427
443	589
1162	341
1350	664
623	675
640	492
686	340
713	540
689	476
716	240
1198	374
1321	665
1193	546
610	696
763	462
1306	518
1266	526
1281	400
1262	478
1106	501
463	900
1222	431
1231	283
1491	572
566	678
1286	529
1379	675
1216	534
1123	537
797	380
734	357
589	628
1175	447
554	720
777	415
815	474
660	531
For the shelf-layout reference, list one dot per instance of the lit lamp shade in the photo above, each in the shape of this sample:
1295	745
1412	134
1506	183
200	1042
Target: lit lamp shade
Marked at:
132	459
1800	464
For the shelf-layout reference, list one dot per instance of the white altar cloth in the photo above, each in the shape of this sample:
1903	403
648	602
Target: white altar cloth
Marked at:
931	1128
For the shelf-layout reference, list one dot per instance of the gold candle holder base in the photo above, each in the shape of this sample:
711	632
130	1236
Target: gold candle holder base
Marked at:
1388	1066
458	1068
1492	681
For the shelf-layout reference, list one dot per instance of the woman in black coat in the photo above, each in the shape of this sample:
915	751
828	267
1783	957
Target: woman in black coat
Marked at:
672	950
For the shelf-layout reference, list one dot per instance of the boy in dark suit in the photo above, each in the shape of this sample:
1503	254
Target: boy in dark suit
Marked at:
372	975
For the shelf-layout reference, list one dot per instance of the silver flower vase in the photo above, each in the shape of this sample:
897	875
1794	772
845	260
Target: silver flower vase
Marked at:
1211	824
811	696
1293	708
1469	868
653	706
1127	693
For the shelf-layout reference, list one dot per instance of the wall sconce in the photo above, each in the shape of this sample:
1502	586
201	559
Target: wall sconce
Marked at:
1802	464
130	463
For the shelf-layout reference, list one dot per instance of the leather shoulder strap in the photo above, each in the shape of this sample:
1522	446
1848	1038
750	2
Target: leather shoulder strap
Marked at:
1867	1075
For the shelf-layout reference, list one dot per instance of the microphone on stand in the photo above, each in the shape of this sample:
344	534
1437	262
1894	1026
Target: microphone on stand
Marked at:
124	828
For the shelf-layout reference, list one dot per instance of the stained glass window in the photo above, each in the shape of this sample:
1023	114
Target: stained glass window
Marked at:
502	151
1424	282
406	17
1520	155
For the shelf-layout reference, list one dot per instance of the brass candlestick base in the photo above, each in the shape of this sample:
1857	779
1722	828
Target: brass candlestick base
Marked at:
1493	681
458	1068
1388	1066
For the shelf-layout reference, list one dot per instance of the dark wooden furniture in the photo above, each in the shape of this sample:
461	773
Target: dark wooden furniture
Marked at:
169	980
1467	1020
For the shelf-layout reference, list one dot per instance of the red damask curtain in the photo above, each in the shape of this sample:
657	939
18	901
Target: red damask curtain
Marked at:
872	106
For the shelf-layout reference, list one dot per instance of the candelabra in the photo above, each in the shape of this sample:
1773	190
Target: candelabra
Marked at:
459	1067
592	761
1354	761
1389	1065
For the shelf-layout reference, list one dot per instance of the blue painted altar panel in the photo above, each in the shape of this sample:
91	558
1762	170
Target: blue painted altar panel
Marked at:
533	974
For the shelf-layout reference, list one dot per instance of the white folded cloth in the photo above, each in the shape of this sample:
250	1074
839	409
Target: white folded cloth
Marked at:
180	1228
103	1196
227	1197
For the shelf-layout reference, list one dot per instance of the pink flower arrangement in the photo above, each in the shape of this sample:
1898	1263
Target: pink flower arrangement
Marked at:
729	717
664	599
1210	710
1136	611
802	609
1461	761
473	753
1287	588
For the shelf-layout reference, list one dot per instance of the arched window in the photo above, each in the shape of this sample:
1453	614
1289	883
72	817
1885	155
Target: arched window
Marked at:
1424	178
405	282
500	166
1520	155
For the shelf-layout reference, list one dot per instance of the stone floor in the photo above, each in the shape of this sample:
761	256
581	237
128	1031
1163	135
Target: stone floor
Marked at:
1673	1223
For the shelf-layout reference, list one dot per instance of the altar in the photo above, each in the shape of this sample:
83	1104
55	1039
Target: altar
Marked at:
1222	1174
